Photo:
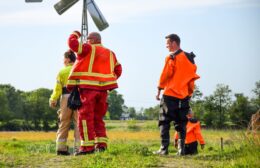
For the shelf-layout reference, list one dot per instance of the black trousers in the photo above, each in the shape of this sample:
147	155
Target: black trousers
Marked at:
176	110
191	148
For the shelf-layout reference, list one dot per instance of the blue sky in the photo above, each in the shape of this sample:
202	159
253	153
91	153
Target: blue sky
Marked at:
224	34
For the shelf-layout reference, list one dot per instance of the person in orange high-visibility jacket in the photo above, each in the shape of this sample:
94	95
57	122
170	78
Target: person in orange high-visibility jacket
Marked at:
177	81
193	135
95	72
65	114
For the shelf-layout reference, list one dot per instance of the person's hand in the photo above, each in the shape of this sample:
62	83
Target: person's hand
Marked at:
158	95
202	146
77	33
52	103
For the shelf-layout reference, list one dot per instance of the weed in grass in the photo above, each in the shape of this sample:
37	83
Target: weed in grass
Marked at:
132	125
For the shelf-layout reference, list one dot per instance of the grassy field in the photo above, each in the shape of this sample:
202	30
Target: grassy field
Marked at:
130	146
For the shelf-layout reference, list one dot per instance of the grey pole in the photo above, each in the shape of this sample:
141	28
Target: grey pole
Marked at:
84	26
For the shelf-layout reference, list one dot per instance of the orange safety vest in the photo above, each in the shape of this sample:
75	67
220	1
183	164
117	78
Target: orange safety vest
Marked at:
193	133
178	76
95	70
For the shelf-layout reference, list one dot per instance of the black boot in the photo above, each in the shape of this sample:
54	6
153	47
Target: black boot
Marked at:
181	147
66	153
84	153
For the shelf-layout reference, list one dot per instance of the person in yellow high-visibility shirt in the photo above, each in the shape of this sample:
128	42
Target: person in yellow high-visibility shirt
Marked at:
65	114
193	136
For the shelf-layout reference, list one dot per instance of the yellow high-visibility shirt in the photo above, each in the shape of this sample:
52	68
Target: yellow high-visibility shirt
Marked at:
62	79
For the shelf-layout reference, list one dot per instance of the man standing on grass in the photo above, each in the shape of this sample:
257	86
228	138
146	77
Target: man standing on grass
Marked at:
177	81
95	72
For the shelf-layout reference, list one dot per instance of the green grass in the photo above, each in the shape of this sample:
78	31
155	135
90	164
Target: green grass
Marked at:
134	125
42	154
239	150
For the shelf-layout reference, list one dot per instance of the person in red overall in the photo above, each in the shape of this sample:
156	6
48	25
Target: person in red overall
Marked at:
193	135
95	72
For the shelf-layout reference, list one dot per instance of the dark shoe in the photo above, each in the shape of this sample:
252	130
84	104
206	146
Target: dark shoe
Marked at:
83	153
161	152
65	153
100	149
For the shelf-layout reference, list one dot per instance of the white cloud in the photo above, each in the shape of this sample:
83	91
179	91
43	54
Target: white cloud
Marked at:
114	10
120	10
39	14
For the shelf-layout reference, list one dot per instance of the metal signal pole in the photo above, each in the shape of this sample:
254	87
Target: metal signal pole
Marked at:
84	25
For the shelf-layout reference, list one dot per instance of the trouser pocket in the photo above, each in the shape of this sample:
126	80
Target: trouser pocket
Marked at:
163	110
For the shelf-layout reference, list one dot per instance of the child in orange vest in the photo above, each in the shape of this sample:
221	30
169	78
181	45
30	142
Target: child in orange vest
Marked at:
193	135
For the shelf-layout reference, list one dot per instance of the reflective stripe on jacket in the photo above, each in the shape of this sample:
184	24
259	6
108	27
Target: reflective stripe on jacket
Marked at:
178	76
96	67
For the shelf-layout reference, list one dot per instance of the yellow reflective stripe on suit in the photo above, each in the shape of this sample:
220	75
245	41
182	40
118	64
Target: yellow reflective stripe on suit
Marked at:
92	57
85	130
101	140
112	64
87	143
80	48
88	82
92	74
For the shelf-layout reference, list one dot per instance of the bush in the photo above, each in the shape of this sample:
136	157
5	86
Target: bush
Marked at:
15	125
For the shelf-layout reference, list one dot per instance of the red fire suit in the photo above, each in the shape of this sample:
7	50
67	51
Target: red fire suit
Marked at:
95	71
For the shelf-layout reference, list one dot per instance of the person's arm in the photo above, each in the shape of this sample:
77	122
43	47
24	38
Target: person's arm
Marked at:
76	46
162	81
56	92
164	75
118	70
118	67
199	137
158	93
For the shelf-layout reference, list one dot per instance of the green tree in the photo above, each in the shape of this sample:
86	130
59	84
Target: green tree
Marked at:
115	105
132	112
210	113
152	113
256	100
4	111
37	109
222	100
197	94
197	103
216	106
241	110
14	101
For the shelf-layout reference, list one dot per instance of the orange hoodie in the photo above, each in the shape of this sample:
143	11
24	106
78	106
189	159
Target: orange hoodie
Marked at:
193	132
178	76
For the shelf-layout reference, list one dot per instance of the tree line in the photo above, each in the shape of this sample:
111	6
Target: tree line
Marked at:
222	109
20	110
